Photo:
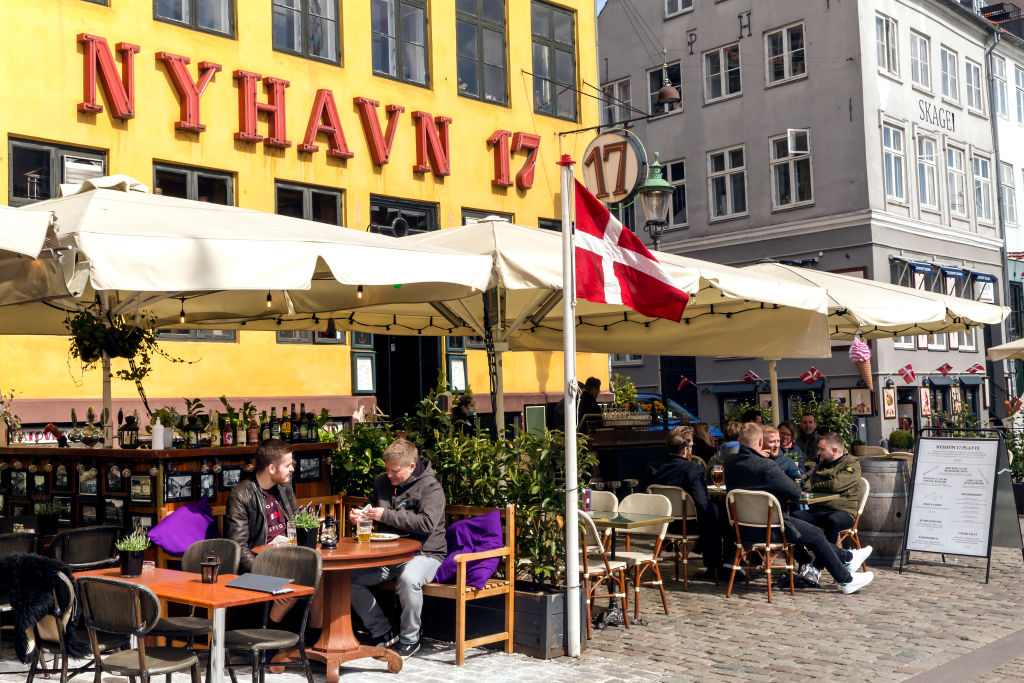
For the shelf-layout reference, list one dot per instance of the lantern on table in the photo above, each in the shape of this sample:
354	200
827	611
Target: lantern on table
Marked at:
329	533
210	568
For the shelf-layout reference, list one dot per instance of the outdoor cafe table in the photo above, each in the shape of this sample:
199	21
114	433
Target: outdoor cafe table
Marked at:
337	643
187	588
626	520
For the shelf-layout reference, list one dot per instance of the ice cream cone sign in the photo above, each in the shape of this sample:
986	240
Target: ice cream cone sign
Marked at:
860	356
1013	405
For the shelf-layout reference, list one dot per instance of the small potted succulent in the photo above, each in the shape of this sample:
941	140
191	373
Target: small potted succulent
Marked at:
307	526
132	549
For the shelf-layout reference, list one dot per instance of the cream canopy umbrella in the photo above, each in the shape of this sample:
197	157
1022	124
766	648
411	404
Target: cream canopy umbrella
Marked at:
1007	351
23	232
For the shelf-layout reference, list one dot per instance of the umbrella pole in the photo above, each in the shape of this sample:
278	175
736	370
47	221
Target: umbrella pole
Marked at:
499	395
572	574
773	380
108	430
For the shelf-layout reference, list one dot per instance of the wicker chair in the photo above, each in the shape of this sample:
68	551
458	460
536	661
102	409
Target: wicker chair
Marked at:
604	501
301	565
642	560
758	510
596	568
851	533
90	547
129	609
684	511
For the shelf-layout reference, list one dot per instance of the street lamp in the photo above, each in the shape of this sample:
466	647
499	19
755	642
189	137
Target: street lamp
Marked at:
656	199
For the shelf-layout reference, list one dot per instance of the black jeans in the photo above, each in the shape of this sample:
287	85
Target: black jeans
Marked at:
830	521
827	556
710	535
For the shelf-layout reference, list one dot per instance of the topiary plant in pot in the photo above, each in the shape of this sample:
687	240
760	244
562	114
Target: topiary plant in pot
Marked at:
307	526
132	549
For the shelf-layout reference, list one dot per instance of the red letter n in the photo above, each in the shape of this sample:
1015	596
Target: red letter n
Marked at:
431	143
189	91
249	109
120	92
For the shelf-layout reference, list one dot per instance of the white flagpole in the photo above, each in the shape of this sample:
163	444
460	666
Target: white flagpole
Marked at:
572	574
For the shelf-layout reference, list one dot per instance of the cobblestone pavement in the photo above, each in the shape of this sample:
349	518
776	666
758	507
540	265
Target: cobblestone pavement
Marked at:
899	626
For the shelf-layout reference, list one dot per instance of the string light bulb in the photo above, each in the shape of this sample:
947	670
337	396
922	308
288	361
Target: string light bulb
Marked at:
270	299
181	314
359	292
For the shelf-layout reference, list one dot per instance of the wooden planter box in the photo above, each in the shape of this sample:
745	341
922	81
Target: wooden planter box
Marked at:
540	621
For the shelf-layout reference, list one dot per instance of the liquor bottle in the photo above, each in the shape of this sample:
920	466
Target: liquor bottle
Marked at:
214	428
241	432
275	425
253	437
295	425
286	425
264	426
314	434
303	424
227	432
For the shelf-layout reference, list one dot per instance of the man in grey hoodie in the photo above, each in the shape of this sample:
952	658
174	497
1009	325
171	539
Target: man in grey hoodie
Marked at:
407	499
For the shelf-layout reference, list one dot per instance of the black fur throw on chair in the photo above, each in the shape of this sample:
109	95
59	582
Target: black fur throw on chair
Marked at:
30	582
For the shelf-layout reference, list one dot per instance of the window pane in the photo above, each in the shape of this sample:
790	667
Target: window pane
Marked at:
325	208
213	15
494	83
465	39
31	173
780	148
385	56
540	19
382	17
468	6
467	72
287	26
171	183
212	189
719	198
735	158
563	27
494	48
176	10
414	63
564	67
782	191
802	168
289	202
679	205
739	192
413	30
323	29
717	162
494	10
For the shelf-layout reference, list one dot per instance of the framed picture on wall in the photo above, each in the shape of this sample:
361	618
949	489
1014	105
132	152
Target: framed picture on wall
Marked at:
229	476
113	511
457	371
141	489
362	340
956	400
63	504
208	486
61	478
764	399
179	487
842	397
113	481
88	513
364	372
308	468
39	483
19	509
87	483
925	401
3	504
19	484
140	520
860	401
889	403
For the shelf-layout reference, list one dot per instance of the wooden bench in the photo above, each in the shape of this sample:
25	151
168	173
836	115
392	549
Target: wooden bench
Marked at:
459	591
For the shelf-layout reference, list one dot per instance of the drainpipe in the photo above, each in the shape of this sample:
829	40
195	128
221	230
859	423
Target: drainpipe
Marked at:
994	121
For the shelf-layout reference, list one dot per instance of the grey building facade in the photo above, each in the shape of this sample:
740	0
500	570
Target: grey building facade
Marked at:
851	137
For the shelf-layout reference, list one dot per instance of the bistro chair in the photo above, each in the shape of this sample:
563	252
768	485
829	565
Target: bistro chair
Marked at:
90	547
596	568
301	565
685	512
604	501
188	627
127	609
851	533
753	512
643	560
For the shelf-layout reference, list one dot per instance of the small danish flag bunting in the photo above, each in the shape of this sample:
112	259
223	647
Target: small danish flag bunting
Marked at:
811	376
944	369
976	368
750	376
683	381
907	373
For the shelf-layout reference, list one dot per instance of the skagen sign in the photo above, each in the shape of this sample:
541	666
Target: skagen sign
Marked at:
937	116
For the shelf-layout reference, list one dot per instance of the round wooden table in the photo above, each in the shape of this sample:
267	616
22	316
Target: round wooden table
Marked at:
337	643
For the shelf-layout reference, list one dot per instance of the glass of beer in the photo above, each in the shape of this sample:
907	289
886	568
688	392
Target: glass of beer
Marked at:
289	531
364	529
717	475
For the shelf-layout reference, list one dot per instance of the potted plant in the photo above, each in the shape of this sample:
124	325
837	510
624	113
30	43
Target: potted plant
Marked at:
624	410
901	440
163	420
307	526
1014	438
858	447
132	549
739	410
830	415
47	515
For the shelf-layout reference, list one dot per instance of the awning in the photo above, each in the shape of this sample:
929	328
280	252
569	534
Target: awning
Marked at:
984	277
799	385
748	387
916	266
733	388
941	381
972	380
958	273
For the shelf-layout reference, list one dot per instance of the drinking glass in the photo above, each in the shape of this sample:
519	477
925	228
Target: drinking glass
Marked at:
289	531
364	529
717	475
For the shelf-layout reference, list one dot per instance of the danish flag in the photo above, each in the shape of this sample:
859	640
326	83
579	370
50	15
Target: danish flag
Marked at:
683	381
750	376
976	368
614	267
811	376
907	373
944	369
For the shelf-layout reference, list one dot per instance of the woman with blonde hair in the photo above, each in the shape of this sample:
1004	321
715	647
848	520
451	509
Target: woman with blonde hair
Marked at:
703	443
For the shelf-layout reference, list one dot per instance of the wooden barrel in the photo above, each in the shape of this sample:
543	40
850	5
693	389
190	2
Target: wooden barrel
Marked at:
882	523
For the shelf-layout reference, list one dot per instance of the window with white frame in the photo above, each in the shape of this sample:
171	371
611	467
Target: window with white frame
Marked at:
722	72
676	174
894	162
617	101
920	60
784	52
674	7
1018	81
999	77
655	81
927	172
956	181
969	340
982	168
950	74
1007	200
627	359
791	170
902	275
972	85
888	53
727	182
937	342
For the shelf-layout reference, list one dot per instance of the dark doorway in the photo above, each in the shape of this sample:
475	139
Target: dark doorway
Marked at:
407	368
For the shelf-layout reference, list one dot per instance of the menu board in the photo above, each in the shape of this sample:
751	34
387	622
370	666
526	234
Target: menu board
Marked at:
951	504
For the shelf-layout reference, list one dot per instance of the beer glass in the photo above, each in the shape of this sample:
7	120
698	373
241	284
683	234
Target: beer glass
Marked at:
364	529
717	475
289	531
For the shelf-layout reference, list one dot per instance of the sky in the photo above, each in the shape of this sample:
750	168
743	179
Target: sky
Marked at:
598	4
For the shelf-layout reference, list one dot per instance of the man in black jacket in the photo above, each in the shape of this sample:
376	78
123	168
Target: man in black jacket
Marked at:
752	471
678	470
407	499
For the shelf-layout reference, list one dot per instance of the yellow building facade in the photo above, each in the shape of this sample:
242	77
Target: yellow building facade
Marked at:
429	71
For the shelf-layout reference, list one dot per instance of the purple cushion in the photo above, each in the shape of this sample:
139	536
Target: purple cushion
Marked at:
183	527
472	535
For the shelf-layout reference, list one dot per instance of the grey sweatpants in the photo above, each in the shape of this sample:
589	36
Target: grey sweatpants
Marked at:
409	578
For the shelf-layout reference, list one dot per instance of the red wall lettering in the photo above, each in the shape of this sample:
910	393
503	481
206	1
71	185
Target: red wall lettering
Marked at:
432	144
120	93
323	118
531	142
502	177
380	146
249	109
189	91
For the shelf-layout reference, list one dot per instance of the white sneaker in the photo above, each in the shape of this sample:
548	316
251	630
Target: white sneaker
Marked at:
859	580
859	556
810	573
